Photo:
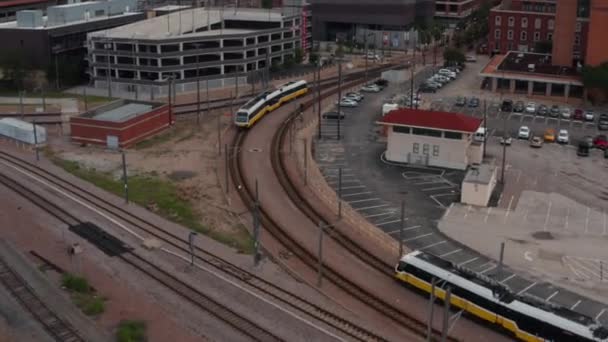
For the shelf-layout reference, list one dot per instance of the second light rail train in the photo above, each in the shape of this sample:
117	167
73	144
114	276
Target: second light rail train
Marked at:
266	102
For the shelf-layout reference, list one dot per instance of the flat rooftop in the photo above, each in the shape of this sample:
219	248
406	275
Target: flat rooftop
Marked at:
181	23
120	110
481	174
530	66
13	24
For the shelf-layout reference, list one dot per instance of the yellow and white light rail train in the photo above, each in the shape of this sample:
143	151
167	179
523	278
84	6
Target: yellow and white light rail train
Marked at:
526	317
266	102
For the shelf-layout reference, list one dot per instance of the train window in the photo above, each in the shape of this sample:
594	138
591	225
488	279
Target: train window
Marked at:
402	266
242	117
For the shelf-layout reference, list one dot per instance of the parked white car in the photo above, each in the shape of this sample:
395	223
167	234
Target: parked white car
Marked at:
470	58
523	133
563	137
531	108
566	112
346	102
355	96
371	88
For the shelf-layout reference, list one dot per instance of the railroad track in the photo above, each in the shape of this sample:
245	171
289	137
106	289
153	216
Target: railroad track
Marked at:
129	256
248	197
292	300
59	329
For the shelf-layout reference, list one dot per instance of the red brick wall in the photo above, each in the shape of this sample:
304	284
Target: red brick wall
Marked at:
565	23
91	131
597	52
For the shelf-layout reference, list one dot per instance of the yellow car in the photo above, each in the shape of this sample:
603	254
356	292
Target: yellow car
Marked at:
549	135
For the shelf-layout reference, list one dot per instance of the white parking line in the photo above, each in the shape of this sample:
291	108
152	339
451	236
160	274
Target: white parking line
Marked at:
348	175
417	237
488	269
466	213
487	214
575	304
450	253
353	187
357	193
567	216
325	164
433	244
526	288
604	212
372	207
438	188
600	314
431	182
551	296
404	229
508	278
468	261
376	215
388	222
587	221
547	217
364	200
344	182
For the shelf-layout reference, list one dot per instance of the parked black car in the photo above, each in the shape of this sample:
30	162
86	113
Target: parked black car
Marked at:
473	102
602	123
507	106
583	149
333	115
461	101
542	110
425	88
519	107
381	83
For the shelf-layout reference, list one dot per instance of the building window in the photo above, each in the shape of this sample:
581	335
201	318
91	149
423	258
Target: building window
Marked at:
523	36
497	33
416	148
401	129
549	36
550	24
536	36
578	26
538	23
524	22
425	149
510	35
577	39
511	21
435	150
498	20
452	135
509	46
427	132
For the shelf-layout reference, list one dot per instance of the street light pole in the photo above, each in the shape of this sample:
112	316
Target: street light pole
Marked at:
198	90
107	46
339	94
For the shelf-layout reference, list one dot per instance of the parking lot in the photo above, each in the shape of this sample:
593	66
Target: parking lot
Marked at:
552	175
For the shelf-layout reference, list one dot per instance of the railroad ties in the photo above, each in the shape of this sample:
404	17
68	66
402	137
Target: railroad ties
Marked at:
59	329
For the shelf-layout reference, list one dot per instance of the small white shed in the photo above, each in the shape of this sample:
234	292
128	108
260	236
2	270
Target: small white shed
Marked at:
22	131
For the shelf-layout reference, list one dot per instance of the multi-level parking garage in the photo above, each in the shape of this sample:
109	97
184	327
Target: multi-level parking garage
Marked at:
220	46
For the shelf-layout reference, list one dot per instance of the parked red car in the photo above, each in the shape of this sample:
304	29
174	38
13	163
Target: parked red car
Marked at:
600	142
578	114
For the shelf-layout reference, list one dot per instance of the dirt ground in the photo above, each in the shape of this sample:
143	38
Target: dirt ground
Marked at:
185	155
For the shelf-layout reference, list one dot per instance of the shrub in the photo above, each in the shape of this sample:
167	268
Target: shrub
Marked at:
75	283
131	331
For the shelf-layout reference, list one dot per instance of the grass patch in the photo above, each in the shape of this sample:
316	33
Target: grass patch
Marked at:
89	303
131	331
75	283
158	139
160	196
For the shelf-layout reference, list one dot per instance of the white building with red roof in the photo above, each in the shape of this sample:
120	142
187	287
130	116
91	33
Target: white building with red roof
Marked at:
432	138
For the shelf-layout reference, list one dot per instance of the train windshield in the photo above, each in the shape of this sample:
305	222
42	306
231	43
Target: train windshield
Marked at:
242	117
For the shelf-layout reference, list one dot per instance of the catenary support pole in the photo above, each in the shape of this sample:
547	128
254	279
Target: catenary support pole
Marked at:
401	227
320	256
86	101
504	152
446	314
340	193
191	237
429	323
305	162
43	100
36	141
226	167
485	127
198	90
319	97
256	227
339	95
124	177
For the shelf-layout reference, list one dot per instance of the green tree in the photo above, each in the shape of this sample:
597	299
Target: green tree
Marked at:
340	50
14	68
453	56
299	56
596	77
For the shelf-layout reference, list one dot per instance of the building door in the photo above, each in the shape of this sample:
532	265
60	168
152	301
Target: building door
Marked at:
112	142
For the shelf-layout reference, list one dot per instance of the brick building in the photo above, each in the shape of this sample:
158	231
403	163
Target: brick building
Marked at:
456	9
524	25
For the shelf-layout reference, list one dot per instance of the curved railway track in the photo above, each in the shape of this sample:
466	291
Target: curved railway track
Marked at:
278	163
179	287
293	301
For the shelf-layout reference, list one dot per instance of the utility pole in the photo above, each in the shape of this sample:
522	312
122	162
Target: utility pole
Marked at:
36	141
124	177
412	69
256	227
319	97
305	162
21	110
226	167
401	227
44	99
191	237
340	193
339	94
320	256
198	89
485	127
108	45
500	258
504	151
446	314
365	42
429	323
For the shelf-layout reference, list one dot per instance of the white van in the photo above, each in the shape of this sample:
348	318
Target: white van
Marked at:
480	135
387	107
